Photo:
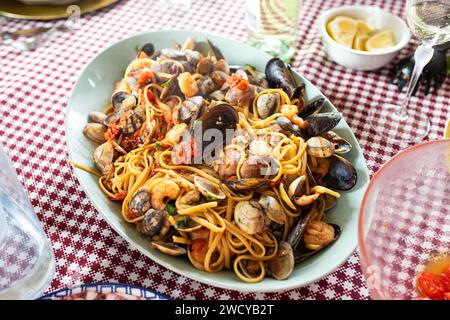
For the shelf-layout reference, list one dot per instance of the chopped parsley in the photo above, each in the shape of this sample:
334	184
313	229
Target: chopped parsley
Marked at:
182	224
170	208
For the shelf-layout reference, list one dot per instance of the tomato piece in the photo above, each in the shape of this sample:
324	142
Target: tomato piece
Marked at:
144	77
430	285
242	84
198	249
150	96
445	278
168	118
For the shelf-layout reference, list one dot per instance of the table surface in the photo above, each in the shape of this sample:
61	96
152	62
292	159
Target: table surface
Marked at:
34	89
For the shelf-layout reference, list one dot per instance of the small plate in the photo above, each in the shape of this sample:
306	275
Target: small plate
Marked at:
108	291
19	10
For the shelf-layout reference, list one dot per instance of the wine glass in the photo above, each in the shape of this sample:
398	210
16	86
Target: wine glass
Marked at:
429	21
404	220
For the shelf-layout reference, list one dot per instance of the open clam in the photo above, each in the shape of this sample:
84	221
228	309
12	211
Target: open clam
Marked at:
208	189
168	248
340	144
281	266
249	216
122	100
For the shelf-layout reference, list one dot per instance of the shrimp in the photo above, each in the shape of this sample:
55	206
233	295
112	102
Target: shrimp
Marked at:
163	192
175	134
187	84
306	200
318	235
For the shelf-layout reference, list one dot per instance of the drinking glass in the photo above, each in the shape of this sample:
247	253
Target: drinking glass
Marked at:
429	21
27	264
272	26
404	219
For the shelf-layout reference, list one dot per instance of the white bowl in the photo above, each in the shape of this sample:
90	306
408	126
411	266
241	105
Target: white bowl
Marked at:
92	92
364	60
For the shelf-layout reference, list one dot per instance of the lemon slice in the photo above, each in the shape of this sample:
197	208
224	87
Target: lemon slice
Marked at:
360	41
380	40
447	130
363	27
342	30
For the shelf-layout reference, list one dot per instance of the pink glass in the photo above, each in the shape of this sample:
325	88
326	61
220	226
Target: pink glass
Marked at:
404	219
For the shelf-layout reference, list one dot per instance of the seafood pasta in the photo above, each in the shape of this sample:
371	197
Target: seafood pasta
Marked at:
222	164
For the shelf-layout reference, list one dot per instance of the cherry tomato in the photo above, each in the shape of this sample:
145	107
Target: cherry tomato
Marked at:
198	249
144	77
430	285
445	278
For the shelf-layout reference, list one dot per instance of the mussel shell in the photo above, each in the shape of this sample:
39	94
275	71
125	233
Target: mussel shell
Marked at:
278	76
222	117
148	49
256	184
296	233
321	123
329	201
341	174
313	107
301	253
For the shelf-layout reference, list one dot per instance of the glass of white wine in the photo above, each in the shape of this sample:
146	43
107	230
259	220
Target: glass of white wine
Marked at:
429	21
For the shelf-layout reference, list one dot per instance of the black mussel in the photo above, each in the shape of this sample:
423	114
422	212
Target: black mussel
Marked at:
329	201
341	174
256	184
340	144
277	230
286	125
216	51
317	124
174	54
148	49
296	233
122	100
223	118
279	76
302	253
313	107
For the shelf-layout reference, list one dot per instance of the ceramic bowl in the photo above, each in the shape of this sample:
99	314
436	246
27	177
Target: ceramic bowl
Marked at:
364	60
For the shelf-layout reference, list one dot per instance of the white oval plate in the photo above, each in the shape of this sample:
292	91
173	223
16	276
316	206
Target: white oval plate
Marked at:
93	92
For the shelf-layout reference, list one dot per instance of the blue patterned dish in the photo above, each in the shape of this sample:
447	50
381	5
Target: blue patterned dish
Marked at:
117	290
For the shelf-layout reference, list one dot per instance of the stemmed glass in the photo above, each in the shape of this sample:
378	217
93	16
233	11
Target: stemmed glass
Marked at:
429	21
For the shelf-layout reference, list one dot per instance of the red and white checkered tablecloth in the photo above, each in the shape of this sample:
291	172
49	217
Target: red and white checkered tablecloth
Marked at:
34	89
